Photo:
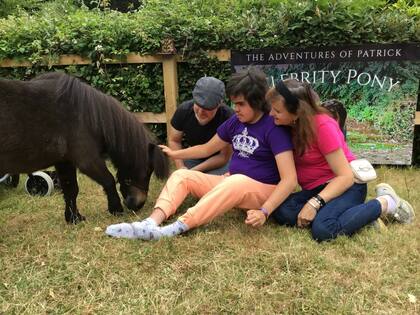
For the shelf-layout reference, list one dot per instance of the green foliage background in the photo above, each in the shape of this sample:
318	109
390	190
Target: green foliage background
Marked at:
390	113
34	30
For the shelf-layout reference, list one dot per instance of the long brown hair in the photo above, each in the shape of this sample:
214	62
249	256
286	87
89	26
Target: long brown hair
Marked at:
308	105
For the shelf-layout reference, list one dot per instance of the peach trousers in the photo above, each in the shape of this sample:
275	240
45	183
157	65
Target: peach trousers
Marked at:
217	193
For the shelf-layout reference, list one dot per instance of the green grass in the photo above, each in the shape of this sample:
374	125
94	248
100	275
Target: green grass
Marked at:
357	140
47	266
355	136
374	146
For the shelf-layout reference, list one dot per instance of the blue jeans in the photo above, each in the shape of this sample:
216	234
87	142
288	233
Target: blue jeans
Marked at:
218	171
343	215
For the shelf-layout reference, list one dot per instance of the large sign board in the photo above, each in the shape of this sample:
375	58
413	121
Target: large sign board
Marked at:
378	84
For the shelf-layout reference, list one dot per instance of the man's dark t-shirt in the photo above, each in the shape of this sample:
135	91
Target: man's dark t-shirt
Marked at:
184	120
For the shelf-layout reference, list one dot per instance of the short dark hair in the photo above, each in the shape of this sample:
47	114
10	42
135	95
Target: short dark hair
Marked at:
252	84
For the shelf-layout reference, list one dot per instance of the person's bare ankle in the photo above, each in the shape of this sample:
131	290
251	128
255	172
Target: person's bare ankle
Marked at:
384	205
158	216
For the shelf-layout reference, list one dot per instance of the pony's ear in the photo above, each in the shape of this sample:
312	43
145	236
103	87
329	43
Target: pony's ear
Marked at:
159	160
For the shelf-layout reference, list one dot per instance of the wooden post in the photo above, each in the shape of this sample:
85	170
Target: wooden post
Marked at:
170	83
148	117
417	119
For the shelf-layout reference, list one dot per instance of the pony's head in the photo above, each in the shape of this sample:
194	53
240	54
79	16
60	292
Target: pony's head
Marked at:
134	182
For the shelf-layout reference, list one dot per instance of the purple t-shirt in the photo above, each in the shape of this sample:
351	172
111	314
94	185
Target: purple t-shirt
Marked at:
254	147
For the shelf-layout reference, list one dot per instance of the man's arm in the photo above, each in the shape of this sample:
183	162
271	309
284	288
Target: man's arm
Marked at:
215	161
175	143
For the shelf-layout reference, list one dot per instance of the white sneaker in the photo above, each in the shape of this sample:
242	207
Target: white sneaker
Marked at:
404	212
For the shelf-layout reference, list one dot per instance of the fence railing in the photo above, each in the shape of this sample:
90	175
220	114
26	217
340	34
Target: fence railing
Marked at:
170	77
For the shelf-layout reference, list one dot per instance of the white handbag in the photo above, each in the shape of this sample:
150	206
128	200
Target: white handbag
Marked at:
363	171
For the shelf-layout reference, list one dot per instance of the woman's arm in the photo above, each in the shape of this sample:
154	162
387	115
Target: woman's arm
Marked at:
338	185
344	178
284	188
200	151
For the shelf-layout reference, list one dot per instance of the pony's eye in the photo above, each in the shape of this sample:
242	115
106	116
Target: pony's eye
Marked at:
127	182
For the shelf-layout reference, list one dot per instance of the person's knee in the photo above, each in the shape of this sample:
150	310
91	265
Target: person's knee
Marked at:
284	215
237	179
287	212
182	174
321	232
278	216
181	177
235	183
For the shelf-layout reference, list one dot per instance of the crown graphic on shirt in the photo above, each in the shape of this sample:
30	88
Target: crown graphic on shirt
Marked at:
244	143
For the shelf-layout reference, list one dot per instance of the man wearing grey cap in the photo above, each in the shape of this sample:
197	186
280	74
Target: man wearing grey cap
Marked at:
196	121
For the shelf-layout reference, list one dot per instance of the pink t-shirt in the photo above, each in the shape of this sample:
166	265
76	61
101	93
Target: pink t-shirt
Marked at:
312	168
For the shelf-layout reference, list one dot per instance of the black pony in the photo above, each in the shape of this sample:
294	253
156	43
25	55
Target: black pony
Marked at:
55	119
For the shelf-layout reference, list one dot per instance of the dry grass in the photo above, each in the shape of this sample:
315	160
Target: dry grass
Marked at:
47	266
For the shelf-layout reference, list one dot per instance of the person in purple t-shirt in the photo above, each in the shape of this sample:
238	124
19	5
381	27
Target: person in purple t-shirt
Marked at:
262	155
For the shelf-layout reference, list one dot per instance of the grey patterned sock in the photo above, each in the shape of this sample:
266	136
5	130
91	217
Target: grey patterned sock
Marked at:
131	230
149	232
173	229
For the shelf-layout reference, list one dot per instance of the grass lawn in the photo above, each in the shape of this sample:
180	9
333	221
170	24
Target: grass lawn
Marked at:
47	266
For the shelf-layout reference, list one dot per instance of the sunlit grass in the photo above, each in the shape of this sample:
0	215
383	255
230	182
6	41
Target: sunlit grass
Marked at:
374	146
47	266
357	140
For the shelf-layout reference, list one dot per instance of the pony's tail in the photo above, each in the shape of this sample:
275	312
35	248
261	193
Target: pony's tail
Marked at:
159	160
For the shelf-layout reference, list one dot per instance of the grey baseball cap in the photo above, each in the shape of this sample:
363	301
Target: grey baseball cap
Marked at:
208	92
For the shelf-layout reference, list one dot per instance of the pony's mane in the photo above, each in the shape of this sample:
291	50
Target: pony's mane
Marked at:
126	139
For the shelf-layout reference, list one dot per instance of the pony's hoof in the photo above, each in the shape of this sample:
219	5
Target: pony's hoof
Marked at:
117	213
75	219
79	219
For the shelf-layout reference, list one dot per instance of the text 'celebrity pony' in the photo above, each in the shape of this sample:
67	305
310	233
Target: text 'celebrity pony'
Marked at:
55	119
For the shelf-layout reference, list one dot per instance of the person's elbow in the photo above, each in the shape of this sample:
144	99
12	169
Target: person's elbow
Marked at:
350	179
174	144
290	183
293	185
347	179
225	157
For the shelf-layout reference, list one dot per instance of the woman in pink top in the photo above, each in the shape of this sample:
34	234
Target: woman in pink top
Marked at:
330	203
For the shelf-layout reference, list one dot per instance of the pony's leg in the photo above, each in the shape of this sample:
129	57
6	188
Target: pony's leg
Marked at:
66	173
97	170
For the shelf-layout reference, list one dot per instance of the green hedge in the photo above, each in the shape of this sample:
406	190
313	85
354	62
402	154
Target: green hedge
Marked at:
60	27
52	28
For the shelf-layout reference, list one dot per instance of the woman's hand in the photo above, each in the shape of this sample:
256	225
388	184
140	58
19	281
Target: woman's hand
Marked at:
255	218
306	216
167	150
